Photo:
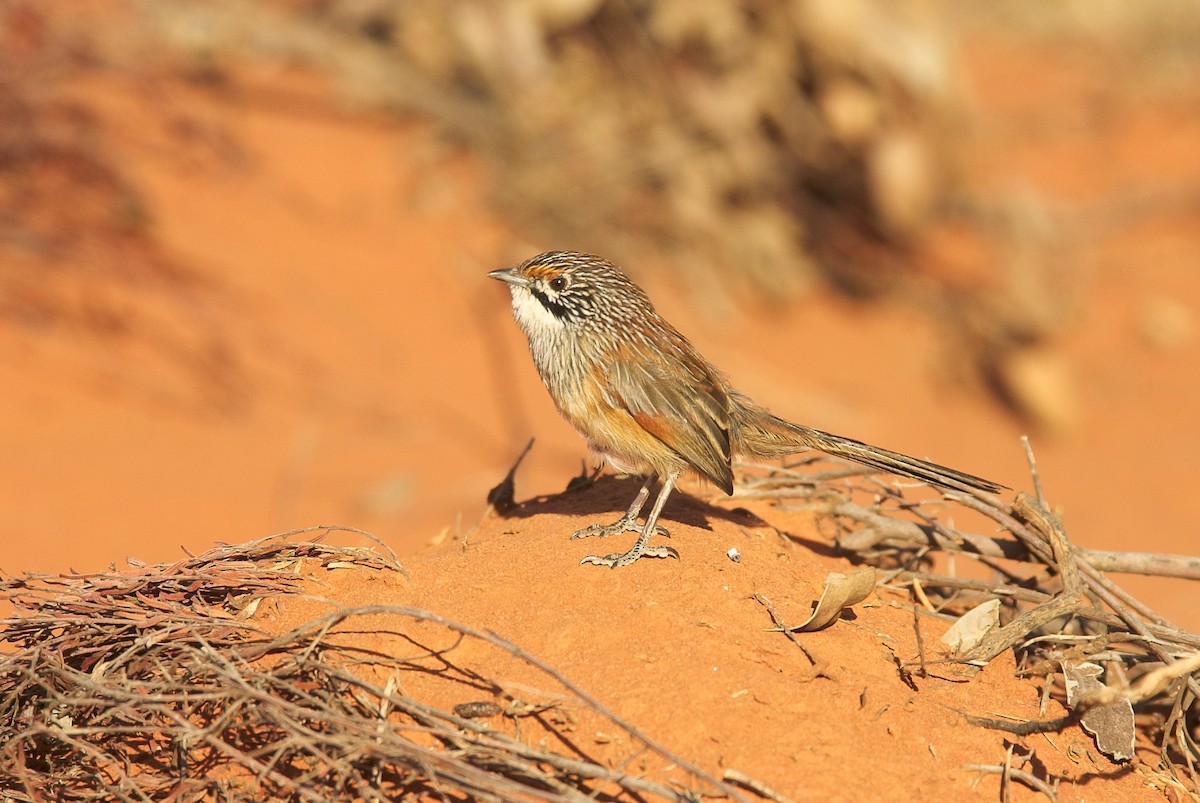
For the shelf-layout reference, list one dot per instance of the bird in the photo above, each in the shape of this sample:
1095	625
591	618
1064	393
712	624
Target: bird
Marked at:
648	403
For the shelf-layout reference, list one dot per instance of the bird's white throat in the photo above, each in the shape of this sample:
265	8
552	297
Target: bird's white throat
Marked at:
533	316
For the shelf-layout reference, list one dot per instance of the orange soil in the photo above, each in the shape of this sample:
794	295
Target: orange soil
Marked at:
339	357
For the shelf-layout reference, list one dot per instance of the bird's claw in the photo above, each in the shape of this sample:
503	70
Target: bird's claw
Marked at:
625	524
619	559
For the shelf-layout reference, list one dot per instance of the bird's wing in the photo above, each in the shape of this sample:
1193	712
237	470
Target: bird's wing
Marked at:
674	395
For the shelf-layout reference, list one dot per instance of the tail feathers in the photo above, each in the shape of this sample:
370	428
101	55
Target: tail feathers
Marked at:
765	435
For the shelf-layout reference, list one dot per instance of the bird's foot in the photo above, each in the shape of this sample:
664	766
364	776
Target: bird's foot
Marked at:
625	524
619	559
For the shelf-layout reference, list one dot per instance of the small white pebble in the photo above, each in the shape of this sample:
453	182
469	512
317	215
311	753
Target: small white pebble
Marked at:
734	555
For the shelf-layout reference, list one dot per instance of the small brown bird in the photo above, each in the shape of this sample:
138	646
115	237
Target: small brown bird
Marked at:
647	402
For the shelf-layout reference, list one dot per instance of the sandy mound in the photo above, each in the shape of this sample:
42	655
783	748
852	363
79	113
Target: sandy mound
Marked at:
674	676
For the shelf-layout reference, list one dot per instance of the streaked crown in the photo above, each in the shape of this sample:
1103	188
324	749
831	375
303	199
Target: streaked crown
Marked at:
580	289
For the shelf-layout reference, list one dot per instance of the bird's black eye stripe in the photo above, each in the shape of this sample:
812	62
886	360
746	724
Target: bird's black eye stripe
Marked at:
558	284
556	309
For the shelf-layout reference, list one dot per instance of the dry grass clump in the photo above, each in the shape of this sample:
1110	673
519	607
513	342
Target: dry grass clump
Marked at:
756	145
59	189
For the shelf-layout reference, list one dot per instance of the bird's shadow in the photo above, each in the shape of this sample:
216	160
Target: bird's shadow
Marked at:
608	497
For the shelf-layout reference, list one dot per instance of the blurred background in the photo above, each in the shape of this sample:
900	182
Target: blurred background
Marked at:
242	248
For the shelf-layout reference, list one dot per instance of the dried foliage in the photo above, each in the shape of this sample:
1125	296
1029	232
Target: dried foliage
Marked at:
168	683
1046	598
761	141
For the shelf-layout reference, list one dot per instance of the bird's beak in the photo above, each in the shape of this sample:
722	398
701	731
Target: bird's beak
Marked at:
509	276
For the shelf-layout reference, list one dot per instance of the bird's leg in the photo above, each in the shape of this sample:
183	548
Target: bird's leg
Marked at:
640	550
627	523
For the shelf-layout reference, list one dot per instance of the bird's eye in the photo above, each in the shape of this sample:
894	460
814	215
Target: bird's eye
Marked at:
558	284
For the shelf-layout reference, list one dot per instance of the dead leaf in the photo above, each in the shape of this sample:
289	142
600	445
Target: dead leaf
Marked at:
841	591
966	633
1111	724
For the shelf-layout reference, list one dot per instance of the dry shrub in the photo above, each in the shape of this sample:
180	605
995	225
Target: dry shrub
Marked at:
756	143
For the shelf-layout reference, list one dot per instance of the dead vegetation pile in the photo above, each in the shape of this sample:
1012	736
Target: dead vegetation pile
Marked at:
1129	677
166	683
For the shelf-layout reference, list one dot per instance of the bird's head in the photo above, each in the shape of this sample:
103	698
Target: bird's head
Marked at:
568	290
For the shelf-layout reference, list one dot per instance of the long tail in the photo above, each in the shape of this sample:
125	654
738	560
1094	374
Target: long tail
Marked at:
762	434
